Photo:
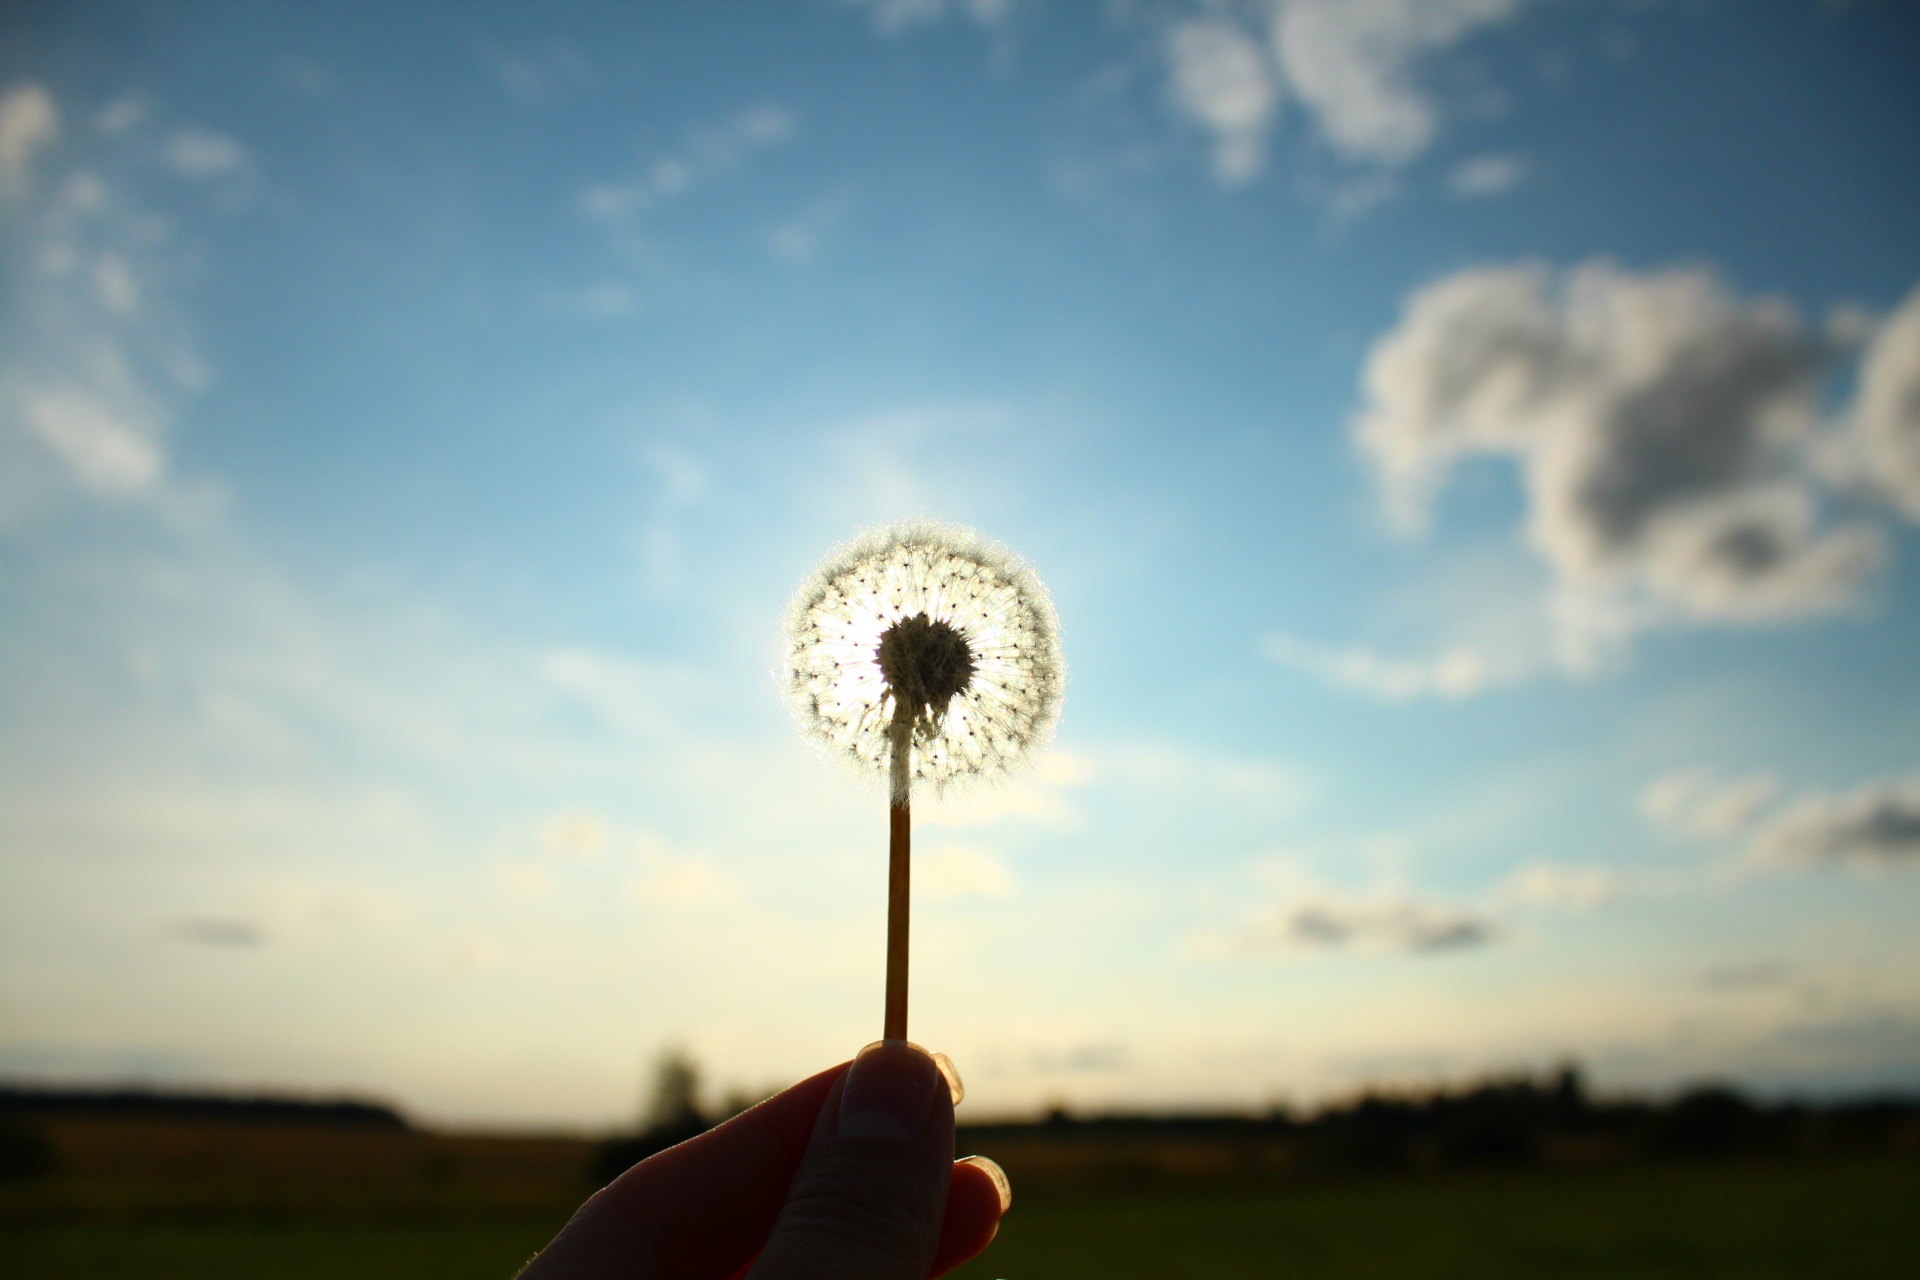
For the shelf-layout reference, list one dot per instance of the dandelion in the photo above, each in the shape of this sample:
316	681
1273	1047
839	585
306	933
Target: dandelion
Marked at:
927	655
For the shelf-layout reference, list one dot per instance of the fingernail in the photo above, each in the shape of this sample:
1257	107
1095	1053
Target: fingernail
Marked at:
889	1092
951	1074
998	1175
956	1088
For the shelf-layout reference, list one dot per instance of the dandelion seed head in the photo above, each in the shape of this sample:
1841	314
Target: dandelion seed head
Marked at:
924	634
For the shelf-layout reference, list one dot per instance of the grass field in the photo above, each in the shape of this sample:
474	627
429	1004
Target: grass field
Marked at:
1851	1219
1854	1219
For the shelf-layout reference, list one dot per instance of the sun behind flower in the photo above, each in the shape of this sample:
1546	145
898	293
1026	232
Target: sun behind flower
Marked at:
924	635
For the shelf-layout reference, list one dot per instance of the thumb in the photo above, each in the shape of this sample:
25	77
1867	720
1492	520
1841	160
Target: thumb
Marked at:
867	1201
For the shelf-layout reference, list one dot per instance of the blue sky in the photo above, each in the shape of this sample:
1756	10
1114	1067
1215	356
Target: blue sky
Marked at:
1473	446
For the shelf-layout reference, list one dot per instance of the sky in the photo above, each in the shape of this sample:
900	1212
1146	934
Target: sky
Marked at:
1473	447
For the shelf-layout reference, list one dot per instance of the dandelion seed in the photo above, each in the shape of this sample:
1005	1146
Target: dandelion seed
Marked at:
926	654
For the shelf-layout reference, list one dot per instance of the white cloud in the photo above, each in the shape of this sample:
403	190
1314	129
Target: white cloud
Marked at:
1886	414
1325	921
1873	826
122	114
1698	803
108	454
1491	175
1455	673
200	153
96	358
1662	427
960	871
523	880
1353	66
635	697
708	154
1038	797
220	931
892	17
530	76
576	837
114	284
671	879
602	300
1555	884
799	238
1222	80
29	121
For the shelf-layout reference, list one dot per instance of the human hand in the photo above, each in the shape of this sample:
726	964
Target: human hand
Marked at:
848	1175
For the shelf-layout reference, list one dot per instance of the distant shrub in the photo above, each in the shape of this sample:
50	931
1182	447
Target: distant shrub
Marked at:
24	1150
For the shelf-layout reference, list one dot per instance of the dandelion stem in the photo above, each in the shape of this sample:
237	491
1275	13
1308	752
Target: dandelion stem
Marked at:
899	881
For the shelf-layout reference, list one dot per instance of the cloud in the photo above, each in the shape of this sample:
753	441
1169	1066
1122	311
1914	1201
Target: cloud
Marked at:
1491	175
122	114
96	359
523	880
226	932
1457	673
893	17
1886	414
1222	80
961	871
798	239
1873	826
530	77
1324	922
1694	801
708	154
199	153
1352	64
1662	427
667	880
576	837
1556	884
1038	797
108	453
601	300
29	121
635	697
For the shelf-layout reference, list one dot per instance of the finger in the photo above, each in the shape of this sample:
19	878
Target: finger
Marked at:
699	1209
976	1198
871	1192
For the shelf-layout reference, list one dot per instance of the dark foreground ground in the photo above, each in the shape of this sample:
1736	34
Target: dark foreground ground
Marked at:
1411	1192
1853	1218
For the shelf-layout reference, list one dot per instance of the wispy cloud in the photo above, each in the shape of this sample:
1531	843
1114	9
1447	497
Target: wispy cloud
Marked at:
1354	69
220	931
201	153
1456	673
1223	81
895	17
535	75
1700	803
1330	922
1885	419
99	357
1874	827
1483	176
29	122
961	871
708	154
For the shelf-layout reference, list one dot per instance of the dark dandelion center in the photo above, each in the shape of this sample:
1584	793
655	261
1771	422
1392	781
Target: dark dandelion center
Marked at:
925	663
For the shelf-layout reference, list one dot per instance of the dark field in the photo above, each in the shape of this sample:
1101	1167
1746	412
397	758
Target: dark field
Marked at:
160	1199
1851	1219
